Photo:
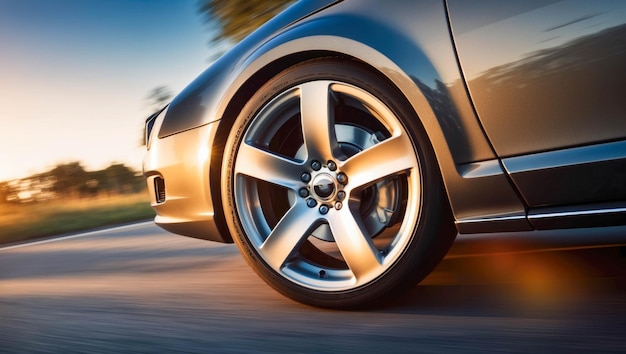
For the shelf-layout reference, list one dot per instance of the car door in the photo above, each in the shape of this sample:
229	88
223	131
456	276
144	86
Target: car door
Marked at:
547	79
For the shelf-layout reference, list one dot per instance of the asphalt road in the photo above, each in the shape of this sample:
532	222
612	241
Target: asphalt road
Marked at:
138	289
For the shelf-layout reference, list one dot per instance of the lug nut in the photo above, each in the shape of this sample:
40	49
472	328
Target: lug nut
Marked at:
338	205
342	178
316	165
303	192
332	165
311	203
341	195
323	209
306	177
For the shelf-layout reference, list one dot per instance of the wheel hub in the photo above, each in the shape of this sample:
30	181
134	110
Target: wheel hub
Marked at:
324	186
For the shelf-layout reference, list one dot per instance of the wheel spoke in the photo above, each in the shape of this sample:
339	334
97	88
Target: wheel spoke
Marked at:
288	234
386	158
317	120
263	165
355	245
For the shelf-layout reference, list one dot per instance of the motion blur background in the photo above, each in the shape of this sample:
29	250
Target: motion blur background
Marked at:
78	80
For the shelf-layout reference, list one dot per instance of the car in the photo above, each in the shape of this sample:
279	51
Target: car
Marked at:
344	145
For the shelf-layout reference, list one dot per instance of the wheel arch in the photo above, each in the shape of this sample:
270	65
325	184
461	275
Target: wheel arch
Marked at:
471	197
287	50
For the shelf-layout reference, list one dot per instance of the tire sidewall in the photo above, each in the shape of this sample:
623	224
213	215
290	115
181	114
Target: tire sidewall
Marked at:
425	246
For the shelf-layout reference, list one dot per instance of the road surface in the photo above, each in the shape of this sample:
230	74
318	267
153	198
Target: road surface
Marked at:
138	289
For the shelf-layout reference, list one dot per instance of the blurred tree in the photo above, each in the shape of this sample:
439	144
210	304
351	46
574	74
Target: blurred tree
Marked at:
5	191
69	179
119	178
235	19
158	97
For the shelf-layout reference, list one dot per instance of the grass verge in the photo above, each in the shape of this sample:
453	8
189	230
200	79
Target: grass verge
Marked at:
21	222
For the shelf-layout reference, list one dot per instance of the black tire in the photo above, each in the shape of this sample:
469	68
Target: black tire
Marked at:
331	189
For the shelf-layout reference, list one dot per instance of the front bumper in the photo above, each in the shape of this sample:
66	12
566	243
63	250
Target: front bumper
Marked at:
177	169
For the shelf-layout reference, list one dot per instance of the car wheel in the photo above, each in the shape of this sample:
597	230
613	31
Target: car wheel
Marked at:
330	188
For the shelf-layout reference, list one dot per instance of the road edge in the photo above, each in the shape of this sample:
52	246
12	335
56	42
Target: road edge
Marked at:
81	234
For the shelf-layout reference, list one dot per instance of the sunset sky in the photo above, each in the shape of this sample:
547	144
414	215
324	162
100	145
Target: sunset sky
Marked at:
75	76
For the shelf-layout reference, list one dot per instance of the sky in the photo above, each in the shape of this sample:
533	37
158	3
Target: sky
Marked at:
75	76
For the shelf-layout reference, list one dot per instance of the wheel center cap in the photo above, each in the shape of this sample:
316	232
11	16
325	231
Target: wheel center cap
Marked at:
324	186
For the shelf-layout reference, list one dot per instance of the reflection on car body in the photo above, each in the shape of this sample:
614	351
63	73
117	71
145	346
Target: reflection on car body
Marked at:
344	144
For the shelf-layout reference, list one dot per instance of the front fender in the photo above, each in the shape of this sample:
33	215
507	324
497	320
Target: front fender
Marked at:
414	52
427	73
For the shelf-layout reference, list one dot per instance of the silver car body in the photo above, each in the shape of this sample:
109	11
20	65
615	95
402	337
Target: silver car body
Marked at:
506	163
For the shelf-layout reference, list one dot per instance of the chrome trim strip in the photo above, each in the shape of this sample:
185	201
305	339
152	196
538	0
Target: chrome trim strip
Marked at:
562	214
566	157
558	214
491	219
